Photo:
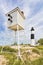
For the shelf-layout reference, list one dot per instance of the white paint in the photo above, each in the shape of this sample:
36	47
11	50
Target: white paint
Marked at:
32	32
18	41
32	41
20	19
16	18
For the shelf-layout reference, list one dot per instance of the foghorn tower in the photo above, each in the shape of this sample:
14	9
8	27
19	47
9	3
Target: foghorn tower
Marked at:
32	36
15	20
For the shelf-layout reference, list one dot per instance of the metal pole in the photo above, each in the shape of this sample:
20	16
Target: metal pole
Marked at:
18	41
15	36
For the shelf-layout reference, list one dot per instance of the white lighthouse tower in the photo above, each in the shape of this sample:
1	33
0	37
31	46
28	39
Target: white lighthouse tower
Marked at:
32	36
15	20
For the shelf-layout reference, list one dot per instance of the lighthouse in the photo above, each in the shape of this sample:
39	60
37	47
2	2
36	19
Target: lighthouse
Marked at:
32	36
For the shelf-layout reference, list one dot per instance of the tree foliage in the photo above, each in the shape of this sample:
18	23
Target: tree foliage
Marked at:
40	41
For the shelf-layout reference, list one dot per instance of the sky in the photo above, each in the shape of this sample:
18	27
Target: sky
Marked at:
33	11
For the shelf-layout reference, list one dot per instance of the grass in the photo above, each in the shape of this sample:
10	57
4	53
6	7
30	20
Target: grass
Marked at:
0	48
12	57
38	61
8	49
40	47
35	51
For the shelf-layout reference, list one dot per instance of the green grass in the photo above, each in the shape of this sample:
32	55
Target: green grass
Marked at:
8	49
0	48
35	51
12	57
38	61
40	47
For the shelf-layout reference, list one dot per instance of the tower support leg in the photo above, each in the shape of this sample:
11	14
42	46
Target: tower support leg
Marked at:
15	37
18	41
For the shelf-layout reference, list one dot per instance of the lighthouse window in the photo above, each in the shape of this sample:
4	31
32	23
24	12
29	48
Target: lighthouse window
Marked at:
32	36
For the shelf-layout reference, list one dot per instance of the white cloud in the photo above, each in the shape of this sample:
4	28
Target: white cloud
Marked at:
34	22
35	19
26	5
8	35
6	6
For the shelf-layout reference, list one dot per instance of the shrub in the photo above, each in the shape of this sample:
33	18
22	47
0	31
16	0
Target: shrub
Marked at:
36	51
8	49
38	62
40	47
40	41
0	48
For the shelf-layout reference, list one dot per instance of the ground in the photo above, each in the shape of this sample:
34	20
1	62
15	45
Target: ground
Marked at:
3	60
29	55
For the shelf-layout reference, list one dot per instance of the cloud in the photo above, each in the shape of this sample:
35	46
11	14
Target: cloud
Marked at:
33	10
36	19
6	35
37	22
29	6
23	4
7	5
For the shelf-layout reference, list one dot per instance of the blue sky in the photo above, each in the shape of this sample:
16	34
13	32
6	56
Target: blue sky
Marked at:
33	11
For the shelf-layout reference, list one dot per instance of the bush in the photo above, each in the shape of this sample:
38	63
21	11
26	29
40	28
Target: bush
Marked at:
10	57
40	47
38	62
8	49
40	41
36	51
0	48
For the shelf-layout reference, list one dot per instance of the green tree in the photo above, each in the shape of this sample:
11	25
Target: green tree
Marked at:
14	44
40	41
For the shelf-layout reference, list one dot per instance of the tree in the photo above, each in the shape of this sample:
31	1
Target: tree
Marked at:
40	41
14	44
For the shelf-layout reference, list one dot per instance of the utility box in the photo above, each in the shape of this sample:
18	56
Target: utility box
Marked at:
14	18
